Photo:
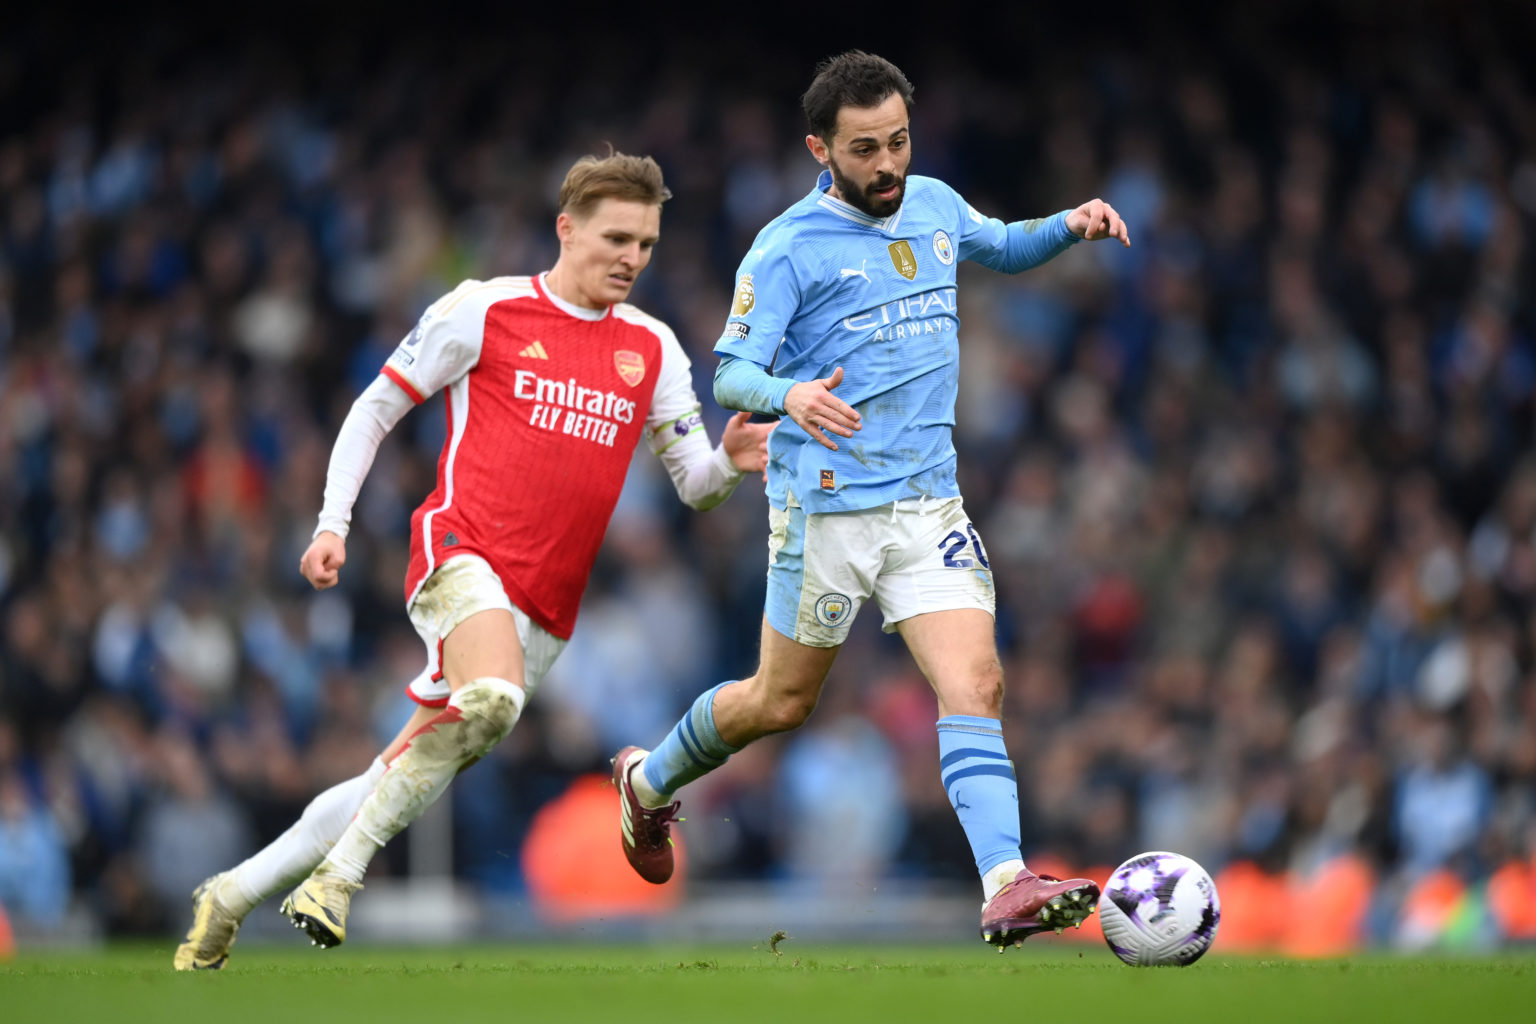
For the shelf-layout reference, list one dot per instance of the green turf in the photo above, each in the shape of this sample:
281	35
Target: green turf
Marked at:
731	983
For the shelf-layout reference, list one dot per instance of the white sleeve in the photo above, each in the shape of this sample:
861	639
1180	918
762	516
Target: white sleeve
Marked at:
445	344
373	415
703	476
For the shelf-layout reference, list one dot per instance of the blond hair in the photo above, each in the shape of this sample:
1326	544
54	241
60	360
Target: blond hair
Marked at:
615	176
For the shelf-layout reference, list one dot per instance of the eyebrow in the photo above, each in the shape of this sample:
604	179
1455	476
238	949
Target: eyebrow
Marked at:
622	233
871	138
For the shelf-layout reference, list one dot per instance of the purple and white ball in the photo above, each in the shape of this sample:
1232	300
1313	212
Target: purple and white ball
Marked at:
1159	909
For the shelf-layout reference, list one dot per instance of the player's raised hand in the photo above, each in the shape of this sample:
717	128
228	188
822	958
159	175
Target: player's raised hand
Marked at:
812	404
747	442
1096	219
323	559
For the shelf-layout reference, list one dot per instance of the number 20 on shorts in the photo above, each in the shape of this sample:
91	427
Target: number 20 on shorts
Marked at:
954	544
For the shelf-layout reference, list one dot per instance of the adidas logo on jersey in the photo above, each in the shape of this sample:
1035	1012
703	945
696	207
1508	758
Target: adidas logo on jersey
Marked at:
535	351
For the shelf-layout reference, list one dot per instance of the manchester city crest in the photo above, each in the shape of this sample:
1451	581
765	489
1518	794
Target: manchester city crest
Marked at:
832	609
942	248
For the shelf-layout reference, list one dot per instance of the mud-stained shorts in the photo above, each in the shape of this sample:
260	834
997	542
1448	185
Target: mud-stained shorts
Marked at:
457	589
912	556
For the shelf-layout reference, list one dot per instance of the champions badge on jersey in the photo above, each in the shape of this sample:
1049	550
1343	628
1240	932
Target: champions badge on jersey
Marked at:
903	259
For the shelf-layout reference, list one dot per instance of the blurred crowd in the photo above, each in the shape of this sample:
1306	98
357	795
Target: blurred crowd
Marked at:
1259	492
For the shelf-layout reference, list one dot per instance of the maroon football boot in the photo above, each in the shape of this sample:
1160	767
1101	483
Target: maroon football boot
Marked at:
1036	903
646	832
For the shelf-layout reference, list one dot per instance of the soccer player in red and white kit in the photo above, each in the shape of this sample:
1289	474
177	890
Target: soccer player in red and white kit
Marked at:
551	383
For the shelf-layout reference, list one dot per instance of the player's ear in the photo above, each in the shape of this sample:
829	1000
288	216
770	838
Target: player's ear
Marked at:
818	148
565	226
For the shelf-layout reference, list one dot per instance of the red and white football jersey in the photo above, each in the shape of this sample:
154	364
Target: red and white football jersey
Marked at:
546	402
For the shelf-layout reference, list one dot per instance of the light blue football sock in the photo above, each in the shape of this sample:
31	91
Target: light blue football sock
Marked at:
692	749
979	780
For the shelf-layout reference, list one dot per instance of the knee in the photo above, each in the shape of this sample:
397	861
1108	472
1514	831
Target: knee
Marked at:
980	693
789	713
490	708
989	686
780	710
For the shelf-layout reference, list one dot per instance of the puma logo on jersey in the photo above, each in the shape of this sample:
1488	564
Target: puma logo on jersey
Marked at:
861	272
535	351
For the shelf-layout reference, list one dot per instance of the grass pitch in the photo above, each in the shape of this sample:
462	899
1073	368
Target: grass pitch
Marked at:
740	984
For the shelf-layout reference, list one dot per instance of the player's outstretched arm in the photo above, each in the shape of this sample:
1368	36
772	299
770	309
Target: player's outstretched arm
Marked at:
812	404
1096	220
322	560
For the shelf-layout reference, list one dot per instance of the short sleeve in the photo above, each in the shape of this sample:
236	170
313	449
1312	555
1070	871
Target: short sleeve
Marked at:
766	299
982	239
443	346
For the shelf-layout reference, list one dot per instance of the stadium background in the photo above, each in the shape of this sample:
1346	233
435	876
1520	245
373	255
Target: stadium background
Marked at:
1259	491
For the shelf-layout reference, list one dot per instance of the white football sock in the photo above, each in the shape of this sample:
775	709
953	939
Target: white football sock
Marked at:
288	859
643	788
475	720
999	876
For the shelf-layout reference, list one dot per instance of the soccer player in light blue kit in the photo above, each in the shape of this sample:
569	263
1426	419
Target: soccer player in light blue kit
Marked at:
845	323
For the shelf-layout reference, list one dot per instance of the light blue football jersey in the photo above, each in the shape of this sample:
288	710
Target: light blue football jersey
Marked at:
826	285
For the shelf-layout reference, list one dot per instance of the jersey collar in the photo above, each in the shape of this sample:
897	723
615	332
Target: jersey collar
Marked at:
850	212
580	312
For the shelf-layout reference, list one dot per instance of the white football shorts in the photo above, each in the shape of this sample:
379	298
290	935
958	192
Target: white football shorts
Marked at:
912	556
457	589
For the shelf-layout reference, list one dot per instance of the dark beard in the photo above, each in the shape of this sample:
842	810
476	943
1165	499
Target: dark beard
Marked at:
864	201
